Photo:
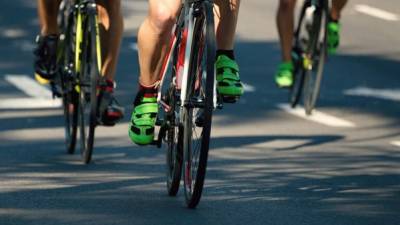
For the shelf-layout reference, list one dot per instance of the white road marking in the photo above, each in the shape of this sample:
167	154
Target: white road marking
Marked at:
279	144
29	86
375	12
248	88
13	33
317	116
387	94
29	103
30	113
40	97
395	143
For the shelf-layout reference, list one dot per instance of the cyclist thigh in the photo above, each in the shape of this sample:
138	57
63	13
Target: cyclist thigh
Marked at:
163	13
109	10
110	5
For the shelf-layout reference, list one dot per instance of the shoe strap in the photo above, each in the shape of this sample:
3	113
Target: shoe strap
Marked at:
229	68
146	108
145	114
285	66
224	62
226	75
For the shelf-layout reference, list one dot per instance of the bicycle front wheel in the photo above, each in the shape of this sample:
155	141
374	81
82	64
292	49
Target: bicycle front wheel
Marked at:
198	107
88	81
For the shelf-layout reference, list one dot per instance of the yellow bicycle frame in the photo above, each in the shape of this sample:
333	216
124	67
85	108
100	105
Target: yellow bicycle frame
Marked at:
79	39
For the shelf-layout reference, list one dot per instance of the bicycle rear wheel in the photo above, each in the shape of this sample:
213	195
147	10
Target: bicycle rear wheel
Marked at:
70	106
198	107
88	81
174	137
317	53
66	75
174	130
297	52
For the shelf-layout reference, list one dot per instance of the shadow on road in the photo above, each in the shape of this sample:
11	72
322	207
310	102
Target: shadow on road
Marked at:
295	142
245	184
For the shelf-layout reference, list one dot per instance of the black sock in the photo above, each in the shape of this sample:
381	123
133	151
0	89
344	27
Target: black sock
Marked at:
332	20
145	92
229	53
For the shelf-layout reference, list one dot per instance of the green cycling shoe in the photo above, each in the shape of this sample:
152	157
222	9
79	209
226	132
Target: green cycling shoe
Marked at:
284	75
333	37
143	120
228	81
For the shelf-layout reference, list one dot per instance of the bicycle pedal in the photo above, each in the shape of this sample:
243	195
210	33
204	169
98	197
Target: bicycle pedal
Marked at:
107	122
199	120
57	93
285	87
230	99
159	122
157	143
220	105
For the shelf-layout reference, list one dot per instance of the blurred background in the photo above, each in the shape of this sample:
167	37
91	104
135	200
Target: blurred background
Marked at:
267	164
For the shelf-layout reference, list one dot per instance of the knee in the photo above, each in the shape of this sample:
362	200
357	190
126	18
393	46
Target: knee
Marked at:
287	5
162	18
110	13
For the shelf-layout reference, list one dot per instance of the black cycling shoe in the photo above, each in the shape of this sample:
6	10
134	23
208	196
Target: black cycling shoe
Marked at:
110	111
45	64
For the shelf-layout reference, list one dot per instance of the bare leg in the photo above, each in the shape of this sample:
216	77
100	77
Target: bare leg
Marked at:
48	10
285	23
111	35
337	6
153	38
226	16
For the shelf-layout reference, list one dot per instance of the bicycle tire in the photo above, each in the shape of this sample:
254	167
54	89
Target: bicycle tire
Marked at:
195	163
295	91
70	108
173	127
65	58
318	53
89	76
174	152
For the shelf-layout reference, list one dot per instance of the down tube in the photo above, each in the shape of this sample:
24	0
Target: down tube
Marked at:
188	51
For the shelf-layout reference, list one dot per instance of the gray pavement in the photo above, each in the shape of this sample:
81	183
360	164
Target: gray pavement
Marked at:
266	165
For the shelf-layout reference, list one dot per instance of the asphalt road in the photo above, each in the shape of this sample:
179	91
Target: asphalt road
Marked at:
266	165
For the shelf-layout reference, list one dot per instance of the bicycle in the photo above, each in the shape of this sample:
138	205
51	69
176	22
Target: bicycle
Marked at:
79	62
309	53
188	96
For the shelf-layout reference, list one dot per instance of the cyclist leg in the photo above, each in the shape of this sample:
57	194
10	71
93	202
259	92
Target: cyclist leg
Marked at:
285	24
45	51
111	31
334	25
226	16
337	7
48	10
153	39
